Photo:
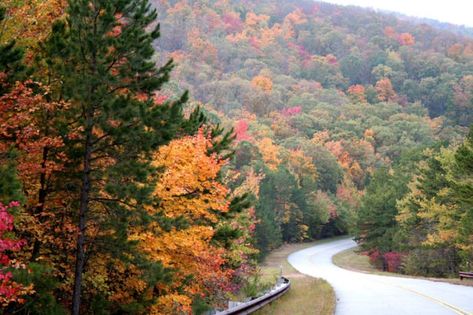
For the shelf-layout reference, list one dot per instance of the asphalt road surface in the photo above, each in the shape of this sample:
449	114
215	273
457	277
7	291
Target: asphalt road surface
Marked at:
366	294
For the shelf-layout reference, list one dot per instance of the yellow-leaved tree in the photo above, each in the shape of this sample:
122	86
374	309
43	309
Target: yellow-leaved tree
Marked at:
192	198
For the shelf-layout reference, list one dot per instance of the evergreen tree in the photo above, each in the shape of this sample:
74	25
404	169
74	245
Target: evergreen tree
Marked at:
376	222
268	231
10	185
377	214
464	171
461	178
101	62
279	211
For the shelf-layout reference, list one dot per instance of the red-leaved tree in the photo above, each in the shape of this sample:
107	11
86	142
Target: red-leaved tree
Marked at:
10	291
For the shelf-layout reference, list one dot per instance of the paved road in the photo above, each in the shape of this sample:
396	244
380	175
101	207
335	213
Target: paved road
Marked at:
365	294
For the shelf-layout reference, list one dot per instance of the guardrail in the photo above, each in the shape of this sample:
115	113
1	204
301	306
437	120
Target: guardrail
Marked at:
254	305
464	274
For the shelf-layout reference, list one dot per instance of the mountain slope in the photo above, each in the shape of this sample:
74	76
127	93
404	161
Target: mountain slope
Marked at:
320	96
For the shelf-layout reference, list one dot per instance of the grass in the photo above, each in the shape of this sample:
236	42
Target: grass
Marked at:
351	259
307	295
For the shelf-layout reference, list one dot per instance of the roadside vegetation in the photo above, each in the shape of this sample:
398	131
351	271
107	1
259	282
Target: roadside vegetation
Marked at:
416	216
353	259
307	295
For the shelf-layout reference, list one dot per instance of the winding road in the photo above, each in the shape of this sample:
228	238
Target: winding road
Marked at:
367	294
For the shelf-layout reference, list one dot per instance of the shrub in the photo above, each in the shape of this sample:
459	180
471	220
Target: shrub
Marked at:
393	261
377	259
436	262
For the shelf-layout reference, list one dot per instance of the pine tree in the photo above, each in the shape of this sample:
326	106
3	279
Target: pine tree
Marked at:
461	179
101	61
464	171
376	223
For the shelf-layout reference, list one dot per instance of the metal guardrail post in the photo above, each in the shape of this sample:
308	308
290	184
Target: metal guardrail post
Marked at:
465	274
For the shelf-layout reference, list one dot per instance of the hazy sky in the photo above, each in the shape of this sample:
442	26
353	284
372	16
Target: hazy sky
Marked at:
452	11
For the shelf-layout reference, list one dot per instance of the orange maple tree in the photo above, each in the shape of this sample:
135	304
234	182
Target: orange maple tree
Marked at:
357	93
263	82
188	190
385	90
406	39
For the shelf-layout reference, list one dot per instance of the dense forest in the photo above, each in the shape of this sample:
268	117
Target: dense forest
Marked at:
320	97
151	152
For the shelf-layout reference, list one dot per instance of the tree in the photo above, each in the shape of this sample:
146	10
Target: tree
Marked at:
10	291
268	229
406	39
33	143
29	22
428	218
463	97
189	193
100	59
11	69
462	192
31	156
270	153
376	222
354	67
357	93
281	200
330	173
385	90
11	60
262	82
241	129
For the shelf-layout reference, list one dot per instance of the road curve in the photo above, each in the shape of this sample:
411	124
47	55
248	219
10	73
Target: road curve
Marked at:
366	294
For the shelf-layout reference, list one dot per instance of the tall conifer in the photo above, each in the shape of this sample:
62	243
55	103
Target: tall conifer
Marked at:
101	60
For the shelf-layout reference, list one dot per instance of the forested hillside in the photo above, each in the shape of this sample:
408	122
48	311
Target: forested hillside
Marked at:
334	46
320	96
149	159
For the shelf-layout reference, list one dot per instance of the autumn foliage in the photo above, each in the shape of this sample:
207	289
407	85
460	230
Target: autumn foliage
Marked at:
262	82
385	90
10	291
188	190
110	244
302	121
357	93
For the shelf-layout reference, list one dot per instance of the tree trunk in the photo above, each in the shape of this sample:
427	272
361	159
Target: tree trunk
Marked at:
83	210
41	202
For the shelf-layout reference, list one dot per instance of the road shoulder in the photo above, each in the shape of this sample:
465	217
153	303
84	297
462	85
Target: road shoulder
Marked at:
307	295
351	259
